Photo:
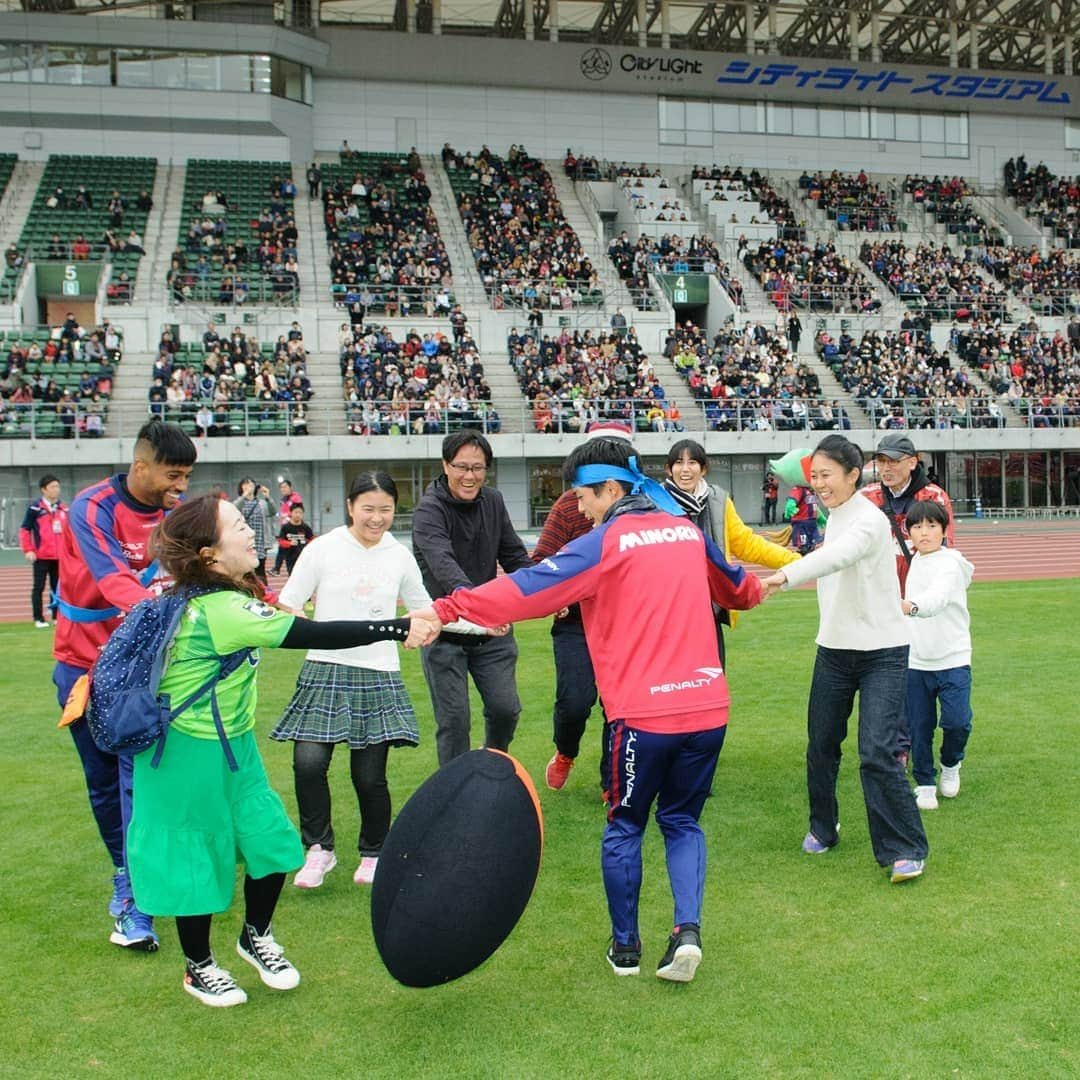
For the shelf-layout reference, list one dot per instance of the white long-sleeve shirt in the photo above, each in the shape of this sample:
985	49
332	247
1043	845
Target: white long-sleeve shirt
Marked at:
941	631
858	590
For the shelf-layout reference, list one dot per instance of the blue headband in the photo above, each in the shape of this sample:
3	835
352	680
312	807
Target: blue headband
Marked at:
640	484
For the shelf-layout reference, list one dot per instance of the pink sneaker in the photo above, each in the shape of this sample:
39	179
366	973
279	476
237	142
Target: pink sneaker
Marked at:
365	872
316	866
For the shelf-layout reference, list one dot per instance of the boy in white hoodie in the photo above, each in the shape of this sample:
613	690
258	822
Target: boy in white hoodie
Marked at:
939	664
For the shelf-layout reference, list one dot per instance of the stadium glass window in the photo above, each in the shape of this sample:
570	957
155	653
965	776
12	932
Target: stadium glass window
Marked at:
804	120
882	124
725	116
672	114
830	123
907	127
1072	135
857	123
752	118
778	119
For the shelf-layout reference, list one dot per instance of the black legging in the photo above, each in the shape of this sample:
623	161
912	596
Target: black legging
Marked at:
311	761
260	899
43	569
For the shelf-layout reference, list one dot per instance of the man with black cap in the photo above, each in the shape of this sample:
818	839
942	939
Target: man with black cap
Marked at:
903	481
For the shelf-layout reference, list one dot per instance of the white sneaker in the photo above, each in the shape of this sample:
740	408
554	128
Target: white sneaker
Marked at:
926	797
950	780
317	865
365	872
41	624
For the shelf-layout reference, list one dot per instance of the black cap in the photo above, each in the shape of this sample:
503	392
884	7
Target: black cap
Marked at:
895	447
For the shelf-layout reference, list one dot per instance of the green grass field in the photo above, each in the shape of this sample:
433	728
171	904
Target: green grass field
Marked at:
814	967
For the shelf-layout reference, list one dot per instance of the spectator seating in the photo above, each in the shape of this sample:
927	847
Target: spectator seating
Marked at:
572	380
1049	284
426	385
385	249
74	216
853	202
237	238
1053	200
818	278
747	380
936	280
7	167
946	201
57	382
232	385
526	252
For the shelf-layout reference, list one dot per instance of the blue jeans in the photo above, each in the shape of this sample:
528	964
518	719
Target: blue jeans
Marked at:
926	690
492	666
108	776
675	772
879	677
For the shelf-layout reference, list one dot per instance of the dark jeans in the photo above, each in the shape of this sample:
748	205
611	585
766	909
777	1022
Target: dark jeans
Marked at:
108	776
492	666
770	511
926	690
44	568
575	686
311	761
879	676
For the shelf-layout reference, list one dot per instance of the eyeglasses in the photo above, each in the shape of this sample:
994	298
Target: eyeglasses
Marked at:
462	470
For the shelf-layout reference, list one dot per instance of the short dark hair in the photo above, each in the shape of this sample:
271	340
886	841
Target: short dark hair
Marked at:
927	510
456	440
599	451
690	447
841	450
374	480
46	480
166	443
295	506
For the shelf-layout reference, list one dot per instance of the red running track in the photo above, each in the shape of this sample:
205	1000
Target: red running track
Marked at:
1013	551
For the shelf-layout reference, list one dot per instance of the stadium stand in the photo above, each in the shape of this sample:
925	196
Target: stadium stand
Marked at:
89	208
1048	283
946	201
852	202
1054	201
818	278
386	254
720	181
526	252
237	242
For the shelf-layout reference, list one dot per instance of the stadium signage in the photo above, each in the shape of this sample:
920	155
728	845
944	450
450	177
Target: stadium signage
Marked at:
597	64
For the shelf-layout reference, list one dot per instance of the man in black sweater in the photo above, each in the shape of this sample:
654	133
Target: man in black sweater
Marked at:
461	536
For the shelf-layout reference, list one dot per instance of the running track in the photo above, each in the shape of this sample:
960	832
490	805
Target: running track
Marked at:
1007	551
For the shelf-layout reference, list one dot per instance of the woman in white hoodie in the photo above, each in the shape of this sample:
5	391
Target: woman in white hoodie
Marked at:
939	667
862	648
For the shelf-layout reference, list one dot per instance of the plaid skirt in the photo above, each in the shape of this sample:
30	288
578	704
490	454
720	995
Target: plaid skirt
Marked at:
337	703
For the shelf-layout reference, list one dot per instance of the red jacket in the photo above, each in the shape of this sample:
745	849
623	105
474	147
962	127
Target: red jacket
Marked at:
42	528
644	579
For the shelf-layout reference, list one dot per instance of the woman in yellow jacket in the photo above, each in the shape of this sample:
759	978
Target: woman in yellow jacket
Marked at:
711	508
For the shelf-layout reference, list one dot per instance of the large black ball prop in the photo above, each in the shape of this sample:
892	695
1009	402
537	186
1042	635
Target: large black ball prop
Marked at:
457	869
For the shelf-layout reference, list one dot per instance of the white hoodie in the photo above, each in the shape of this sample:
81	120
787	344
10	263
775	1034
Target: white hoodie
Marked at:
940	633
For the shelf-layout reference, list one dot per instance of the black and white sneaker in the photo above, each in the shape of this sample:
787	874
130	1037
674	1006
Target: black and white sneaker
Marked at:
624	959
212	985
267	957
683	955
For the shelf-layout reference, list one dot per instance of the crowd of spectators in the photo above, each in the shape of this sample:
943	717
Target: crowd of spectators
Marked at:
902	380
748	379
225	256
946	200
385	249
574	379
67	376
527	253
1050	283
818	278
756	186
1035	371
424	385
1054	200
228	378
937	280
853	202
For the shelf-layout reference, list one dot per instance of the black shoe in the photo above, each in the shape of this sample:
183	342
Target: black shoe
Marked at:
683	954
625	959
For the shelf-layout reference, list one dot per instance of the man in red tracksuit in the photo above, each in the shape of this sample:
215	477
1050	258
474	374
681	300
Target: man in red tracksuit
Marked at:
657	668
39	538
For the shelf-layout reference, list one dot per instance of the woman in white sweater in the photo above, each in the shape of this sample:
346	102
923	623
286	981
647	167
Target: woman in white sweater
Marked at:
354	696
862	648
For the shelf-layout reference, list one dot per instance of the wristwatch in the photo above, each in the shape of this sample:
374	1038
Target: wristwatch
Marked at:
914	609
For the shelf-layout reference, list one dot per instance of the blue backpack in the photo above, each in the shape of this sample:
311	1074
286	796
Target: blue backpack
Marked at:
126	714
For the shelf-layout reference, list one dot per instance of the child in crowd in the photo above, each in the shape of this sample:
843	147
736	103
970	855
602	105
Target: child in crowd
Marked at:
294	535
939	665
193	816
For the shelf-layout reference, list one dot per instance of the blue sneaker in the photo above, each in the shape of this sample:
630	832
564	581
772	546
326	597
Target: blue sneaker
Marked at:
121	893
134	930
906	869
813	846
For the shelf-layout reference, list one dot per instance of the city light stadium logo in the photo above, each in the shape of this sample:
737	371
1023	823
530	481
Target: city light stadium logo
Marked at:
596	64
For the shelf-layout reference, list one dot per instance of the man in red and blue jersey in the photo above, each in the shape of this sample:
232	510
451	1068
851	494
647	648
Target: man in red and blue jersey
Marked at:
105	569
657	667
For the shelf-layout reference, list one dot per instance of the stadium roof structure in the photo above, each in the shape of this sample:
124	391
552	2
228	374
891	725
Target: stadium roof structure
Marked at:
1020	35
